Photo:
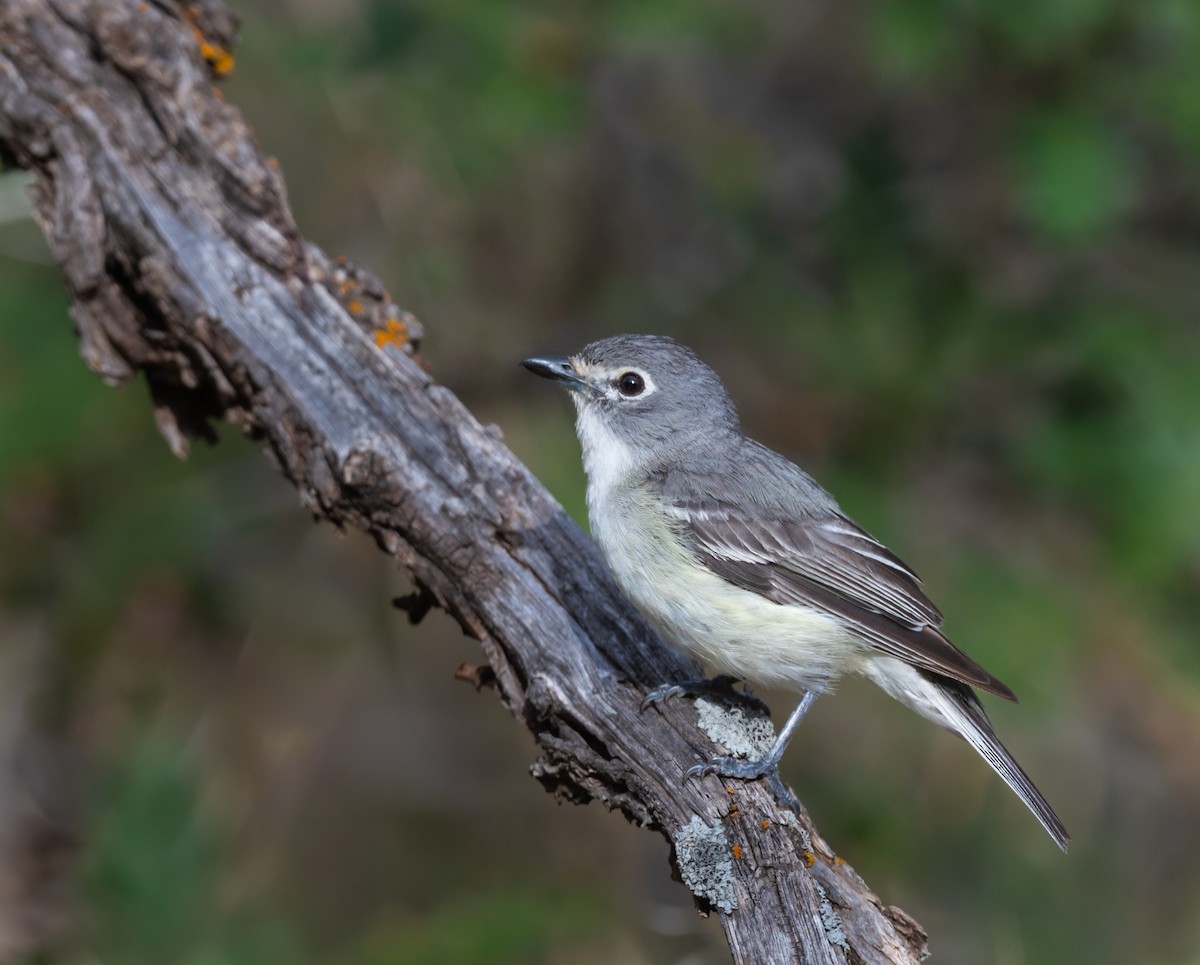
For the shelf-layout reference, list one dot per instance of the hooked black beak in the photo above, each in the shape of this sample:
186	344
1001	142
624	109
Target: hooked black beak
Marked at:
558	370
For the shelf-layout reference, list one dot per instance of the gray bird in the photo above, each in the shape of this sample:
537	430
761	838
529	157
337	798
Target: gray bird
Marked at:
741	559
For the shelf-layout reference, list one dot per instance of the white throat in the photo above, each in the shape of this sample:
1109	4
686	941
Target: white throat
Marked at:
607	459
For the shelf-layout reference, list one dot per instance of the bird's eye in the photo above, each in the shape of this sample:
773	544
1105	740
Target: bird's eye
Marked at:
631	384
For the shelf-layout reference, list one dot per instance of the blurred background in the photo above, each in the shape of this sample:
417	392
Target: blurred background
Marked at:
945	254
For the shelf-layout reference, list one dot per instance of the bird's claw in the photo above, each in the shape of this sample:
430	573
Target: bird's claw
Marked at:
719	687
765	768
783	793
748	771
731	767
663	693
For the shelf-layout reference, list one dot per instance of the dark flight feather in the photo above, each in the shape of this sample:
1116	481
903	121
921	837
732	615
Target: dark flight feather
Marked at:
827	561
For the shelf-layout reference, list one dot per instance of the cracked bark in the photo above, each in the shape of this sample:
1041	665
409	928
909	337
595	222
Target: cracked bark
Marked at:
183	263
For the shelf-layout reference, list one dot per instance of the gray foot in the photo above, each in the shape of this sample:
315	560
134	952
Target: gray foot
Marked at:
763	769
732	767
767	766
720	687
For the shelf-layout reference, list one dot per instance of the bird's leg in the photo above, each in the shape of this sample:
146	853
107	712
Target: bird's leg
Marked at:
752	770
720	687
767	766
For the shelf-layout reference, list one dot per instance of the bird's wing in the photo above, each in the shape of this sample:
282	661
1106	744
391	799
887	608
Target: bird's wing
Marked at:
828	562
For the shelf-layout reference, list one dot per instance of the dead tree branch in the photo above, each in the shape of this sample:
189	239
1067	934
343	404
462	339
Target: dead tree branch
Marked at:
183	263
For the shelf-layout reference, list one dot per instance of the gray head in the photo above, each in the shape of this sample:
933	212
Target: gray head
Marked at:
644	397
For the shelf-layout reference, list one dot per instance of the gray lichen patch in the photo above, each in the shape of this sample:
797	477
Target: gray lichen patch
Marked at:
835	931
706	864
744	734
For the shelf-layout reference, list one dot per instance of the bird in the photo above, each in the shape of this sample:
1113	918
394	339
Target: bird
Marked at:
741	559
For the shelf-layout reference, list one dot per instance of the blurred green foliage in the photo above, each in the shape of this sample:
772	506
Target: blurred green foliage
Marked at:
510	926
152	879
943	253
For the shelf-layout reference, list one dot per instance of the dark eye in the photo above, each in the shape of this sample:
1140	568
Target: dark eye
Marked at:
631	384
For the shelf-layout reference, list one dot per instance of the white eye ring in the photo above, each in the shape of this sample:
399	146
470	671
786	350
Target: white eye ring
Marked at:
630	384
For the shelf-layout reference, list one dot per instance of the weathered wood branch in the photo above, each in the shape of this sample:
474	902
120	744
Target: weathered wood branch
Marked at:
183	263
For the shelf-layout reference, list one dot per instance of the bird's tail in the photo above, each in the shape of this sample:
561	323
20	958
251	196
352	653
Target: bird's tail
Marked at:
955	706
975	728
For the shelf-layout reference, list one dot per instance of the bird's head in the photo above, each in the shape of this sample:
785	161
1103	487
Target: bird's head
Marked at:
642	400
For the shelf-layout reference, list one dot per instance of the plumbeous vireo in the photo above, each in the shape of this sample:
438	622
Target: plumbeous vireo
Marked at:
741	559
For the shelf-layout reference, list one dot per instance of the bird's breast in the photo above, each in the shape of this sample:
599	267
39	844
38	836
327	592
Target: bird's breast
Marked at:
730	629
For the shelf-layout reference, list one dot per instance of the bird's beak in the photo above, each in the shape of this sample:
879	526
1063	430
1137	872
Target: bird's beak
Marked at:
559	370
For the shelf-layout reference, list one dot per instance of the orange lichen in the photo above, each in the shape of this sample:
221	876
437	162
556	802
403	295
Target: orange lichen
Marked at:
838	859
393	332
764	824
809	859
354	306
219	59
737	852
